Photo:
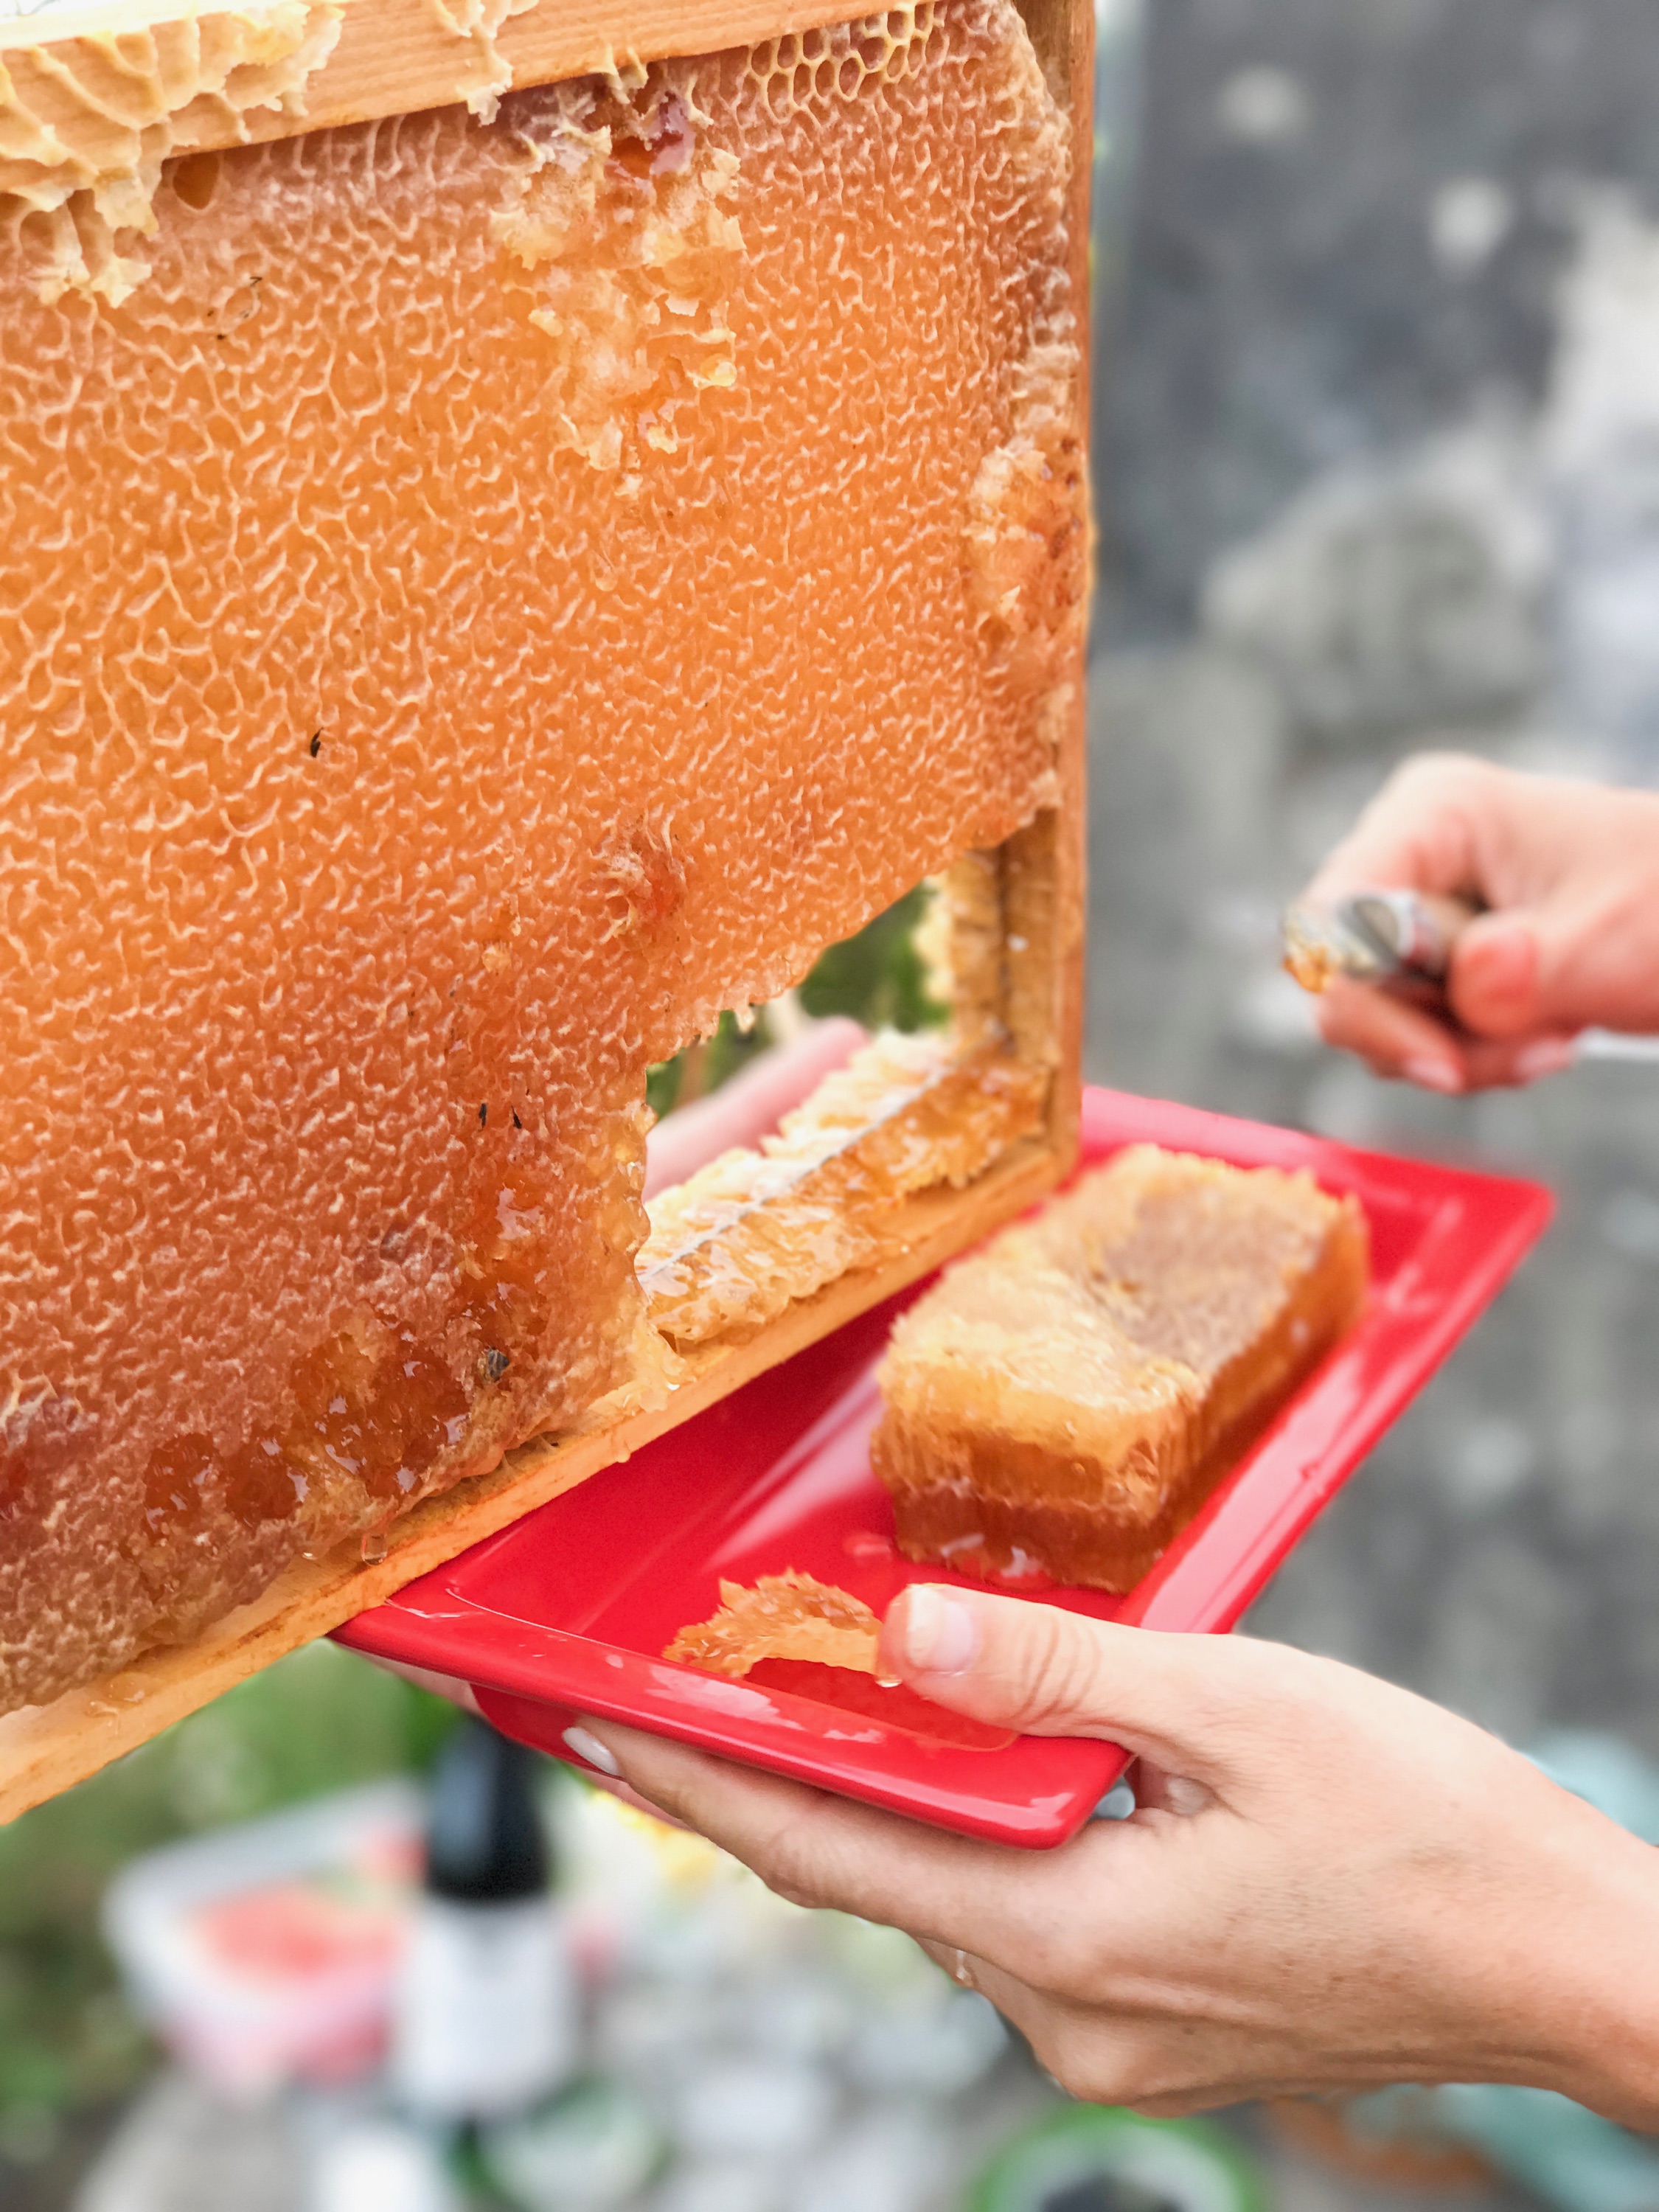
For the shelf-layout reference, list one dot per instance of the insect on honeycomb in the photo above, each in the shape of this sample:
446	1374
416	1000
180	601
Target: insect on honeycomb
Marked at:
479	594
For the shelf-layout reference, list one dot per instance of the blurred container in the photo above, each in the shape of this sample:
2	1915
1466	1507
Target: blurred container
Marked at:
1088	2158
595	2149
377	2163
266	1954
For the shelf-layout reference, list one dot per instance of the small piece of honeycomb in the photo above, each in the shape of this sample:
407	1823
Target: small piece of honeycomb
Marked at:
786	1616
480	599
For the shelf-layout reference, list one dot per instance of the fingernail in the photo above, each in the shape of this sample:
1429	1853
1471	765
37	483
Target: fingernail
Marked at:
1186	1797
589	1748
1434	1075
940	1636
1548	1057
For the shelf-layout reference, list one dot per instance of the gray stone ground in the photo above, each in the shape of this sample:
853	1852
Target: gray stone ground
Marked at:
1308	276
1500	1551
1387	321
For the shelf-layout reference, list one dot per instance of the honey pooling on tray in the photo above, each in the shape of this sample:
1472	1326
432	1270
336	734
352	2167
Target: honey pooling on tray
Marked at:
1062	1402
478	599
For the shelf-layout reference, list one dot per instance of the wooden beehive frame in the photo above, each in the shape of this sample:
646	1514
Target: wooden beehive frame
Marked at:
393	57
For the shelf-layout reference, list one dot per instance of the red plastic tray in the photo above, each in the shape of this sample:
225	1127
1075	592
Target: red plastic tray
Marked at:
566	1610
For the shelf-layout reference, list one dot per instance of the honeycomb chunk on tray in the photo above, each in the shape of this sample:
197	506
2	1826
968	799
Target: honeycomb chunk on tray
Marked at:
786	1616
1064	1401
480	592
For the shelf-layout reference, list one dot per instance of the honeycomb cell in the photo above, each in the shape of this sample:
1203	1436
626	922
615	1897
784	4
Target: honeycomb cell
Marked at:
490	595
739	1241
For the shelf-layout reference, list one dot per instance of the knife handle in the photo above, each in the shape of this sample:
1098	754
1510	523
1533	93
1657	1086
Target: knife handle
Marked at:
1417	930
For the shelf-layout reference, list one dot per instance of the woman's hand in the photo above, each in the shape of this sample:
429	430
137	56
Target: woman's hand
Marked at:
1570	873
1327	1882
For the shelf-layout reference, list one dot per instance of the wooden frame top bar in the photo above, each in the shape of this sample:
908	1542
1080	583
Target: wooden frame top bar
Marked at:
79	83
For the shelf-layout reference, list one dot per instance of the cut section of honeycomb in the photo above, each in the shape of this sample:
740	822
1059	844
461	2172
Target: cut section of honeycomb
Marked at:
490	595
1064	1401
740	1240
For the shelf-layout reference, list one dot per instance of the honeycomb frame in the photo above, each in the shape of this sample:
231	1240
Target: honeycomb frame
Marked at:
369	58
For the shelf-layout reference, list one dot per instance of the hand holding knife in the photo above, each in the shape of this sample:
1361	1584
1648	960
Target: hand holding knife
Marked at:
1400	941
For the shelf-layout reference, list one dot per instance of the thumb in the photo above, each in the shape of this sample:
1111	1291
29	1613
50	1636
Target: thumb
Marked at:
1185	1703
1495	982
1587	953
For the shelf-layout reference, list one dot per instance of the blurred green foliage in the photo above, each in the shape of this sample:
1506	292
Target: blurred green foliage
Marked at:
320	1719
876	977
703	1067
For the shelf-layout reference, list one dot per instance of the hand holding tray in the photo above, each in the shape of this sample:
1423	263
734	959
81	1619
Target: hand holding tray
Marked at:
566	1610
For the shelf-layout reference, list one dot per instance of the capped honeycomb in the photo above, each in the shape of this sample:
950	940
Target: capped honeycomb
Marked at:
480	594
1062	1401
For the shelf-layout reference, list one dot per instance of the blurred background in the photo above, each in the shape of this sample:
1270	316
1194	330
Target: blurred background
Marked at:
1377	425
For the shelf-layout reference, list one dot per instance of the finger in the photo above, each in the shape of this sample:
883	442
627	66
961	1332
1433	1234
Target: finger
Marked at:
625	1796
1402	1042
1104	2055
1015	1911
1031	2013
1397	1039
1492	980
1148	2061
966	1968
1514	1064
1423	831
1036	2012
1586	952
1569	871
1192	1703
1155	1791
448	1686
818	1850
750	1104
1447	823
